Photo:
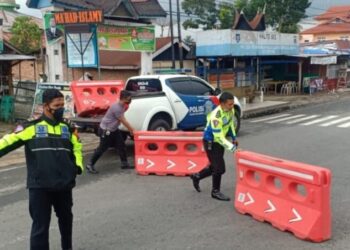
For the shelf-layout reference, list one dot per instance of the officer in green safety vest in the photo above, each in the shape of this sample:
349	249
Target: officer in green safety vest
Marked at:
54	158
220	127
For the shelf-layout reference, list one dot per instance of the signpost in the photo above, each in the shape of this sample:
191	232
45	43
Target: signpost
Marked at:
81	39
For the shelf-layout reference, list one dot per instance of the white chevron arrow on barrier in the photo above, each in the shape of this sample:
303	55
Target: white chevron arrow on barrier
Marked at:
251	199
297	216
172	164
193	165
271	208
150	164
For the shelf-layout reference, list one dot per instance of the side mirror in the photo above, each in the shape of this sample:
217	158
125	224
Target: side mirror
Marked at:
217	91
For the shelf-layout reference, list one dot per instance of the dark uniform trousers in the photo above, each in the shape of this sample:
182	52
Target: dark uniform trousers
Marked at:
40	203
109	139
215	153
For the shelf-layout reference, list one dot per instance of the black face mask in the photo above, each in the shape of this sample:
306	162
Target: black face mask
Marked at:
58	114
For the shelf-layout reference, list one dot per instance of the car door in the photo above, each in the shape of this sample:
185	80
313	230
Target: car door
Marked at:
191	99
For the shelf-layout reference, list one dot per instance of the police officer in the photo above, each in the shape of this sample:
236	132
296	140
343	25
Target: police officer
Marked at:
109	133
54	158
219	127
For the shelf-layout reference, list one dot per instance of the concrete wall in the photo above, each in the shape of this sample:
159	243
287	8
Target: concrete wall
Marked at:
327	37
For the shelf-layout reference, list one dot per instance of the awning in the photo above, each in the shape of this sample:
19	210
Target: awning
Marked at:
14	57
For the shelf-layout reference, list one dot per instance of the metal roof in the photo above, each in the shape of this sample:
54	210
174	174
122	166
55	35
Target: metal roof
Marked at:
14	57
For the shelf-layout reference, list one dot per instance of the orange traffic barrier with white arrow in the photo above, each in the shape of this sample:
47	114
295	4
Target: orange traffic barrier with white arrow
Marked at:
292	196
169	152
94	97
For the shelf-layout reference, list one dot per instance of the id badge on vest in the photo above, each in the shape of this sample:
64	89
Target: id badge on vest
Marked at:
41	131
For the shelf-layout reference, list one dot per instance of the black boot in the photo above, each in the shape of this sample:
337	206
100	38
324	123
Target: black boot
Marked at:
195	179
91	169
216	194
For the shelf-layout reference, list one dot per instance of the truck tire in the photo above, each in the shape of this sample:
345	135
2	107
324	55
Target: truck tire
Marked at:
237	121
159	125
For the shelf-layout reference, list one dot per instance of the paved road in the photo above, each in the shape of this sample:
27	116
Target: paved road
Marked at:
121	210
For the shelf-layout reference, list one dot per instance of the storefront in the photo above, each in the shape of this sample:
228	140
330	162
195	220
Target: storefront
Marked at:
244	56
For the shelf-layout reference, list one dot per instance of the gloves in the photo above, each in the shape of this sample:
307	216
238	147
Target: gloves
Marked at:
234	148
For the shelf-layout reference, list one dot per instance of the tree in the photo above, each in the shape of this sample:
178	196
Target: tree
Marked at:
226	15
282	15
204	11
26	35
188	40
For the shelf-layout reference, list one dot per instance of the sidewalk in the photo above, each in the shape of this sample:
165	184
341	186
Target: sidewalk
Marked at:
271	104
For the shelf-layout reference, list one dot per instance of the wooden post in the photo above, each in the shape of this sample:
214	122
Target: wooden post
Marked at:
300	74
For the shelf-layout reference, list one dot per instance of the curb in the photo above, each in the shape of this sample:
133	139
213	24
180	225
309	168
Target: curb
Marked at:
266	111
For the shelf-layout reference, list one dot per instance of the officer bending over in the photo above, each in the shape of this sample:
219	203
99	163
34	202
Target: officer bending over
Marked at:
219	126
54	158
109	133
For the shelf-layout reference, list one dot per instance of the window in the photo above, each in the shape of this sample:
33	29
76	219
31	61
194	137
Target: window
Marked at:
321	38
144	85
344	38
180	85
199	88
190	86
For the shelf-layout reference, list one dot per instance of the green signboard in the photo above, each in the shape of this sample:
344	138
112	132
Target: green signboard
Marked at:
126	38
53	32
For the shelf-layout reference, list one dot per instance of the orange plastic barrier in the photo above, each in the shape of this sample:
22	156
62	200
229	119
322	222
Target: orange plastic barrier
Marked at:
292	196
94	97
169	152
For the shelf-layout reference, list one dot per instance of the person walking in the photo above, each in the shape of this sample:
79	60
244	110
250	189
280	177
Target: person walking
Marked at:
219	127
54	158
109	133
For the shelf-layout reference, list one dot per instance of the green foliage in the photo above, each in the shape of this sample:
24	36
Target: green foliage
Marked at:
26	35
188	40
282	15
226	15
205	12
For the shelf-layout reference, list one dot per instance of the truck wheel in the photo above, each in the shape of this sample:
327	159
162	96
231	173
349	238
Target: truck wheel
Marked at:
159	125
237	121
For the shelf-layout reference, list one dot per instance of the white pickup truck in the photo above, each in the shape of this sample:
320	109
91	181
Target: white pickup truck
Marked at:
169	102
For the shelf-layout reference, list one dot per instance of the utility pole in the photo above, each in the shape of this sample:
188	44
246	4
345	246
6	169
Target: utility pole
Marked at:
179	35
172	35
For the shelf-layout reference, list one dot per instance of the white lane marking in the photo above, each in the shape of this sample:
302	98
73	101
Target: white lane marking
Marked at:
271	208
345	125
285	118
320	120
302	119
12	188
251	199
276	169
335	121
10	169
270	118
297	216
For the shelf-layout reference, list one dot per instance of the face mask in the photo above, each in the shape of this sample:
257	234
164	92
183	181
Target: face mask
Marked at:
58	114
